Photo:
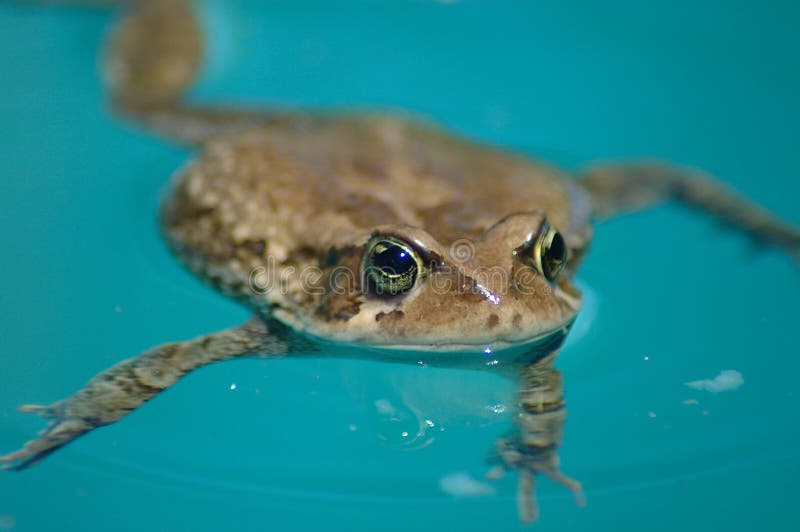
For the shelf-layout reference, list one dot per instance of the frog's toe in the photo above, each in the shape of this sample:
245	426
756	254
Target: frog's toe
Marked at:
56	435
526	488
526	497
570	483
45	411
496	473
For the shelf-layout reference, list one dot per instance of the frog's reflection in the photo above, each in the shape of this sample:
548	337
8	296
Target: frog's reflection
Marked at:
410	406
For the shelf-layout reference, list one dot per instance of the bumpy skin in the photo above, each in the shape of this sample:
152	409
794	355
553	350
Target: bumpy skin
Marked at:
283	201
278	211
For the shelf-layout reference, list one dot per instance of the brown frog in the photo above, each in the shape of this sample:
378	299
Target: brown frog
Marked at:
373	236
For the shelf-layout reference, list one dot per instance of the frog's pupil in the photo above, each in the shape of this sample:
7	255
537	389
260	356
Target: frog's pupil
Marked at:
554	256
557	249
394	269
394	260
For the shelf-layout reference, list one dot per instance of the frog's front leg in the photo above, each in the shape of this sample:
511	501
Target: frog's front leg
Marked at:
532	448
126	386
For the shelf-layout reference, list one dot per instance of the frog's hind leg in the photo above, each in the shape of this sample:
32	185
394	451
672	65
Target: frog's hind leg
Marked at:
616	189
153	56
115	392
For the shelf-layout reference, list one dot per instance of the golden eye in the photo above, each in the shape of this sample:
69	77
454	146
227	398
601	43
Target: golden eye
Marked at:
390	266
550	253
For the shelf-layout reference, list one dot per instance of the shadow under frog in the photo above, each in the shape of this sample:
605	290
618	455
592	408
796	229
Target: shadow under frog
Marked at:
371	236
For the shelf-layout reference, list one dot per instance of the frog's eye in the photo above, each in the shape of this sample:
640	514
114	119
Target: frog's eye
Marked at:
390	266
550	253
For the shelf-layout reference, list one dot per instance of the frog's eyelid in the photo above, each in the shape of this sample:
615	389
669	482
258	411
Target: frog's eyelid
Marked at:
432	260
532	240
429	258
530	252
545	232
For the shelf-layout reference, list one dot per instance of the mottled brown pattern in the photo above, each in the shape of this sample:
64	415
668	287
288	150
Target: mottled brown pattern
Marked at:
290	199
393	315
340	284
307	192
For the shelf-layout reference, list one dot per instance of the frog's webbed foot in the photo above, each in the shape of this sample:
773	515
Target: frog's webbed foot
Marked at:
122	388
529	462
61	430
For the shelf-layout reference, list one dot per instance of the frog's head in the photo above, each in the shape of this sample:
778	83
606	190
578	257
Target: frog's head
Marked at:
398	287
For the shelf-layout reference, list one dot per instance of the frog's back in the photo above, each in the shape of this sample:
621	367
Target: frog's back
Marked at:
282	196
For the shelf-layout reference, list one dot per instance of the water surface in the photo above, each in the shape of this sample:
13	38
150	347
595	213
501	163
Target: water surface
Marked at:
312	444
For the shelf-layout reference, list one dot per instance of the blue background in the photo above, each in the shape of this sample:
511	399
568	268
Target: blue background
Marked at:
300	445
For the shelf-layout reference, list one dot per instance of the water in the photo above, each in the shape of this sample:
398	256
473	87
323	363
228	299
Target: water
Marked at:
319	444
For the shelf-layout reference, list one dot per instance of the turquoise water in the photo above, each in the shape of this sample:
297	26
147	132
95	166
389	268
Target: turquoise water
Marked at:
305	445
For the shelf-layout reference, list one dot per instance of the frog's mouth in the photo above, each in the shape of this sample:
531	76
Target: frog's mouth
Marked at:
453	354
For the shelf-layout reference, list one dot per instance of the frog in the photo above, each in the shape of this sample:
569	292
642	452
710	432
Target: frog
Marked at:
372	235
